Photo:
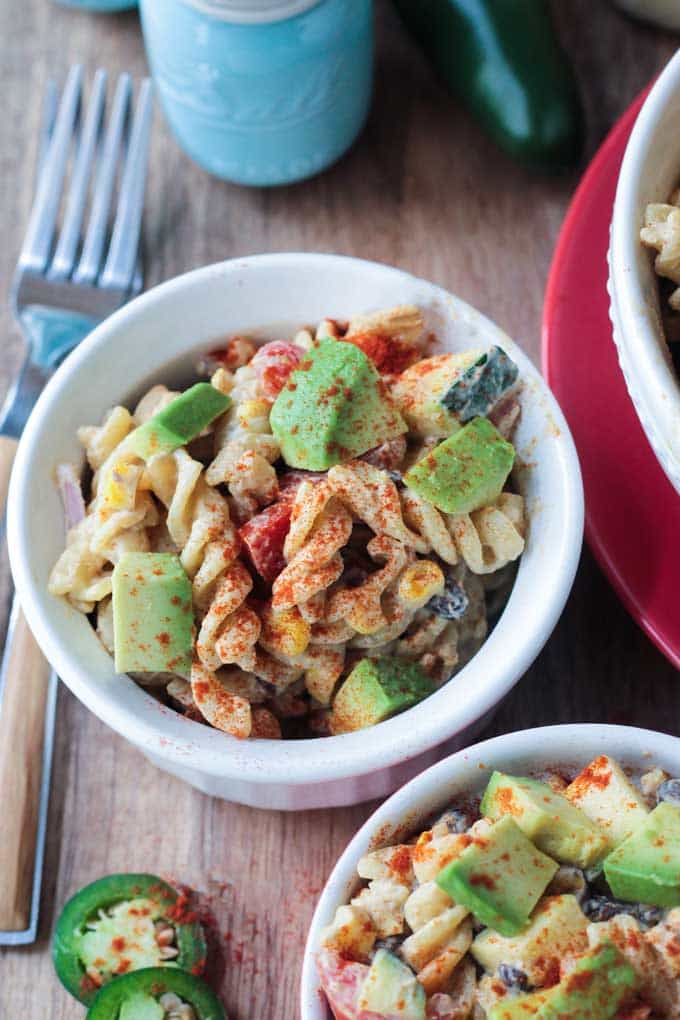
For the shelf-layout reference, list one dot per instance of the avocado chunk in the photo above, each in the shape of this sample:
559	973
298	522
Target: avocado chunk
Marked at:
595	989
481	385
377	689
152	614
465	472
334	407
391	989
606	795
140	1006
499	877
557	929
179	422
547	818
645	868
419	389
520	1007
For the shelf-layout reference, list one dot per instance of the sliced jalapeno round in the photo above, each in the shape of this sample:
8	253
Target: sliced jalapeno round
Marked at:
124	923
154	994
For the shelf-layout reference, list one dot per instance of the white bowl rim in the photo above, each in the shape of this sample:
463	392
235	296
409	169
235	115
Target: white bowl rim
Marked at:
297	762
624	742
650	377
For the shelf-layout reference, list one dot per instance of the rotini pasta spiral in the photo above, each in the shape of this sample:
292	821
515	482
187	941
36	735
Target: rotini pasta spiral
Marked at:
300	570
245	449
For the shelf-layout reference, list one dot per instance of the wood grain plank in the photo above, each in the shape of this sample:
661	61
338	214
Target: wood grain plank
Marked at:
423	189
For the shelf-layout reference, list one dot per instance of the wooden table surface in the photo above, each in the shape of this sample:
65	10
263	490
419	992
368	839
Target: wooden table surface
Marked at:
422	189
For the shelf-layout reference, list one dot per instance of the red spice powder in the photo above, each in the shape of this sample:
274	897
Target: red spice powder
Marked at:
507	802
597	774
485	880
390	356
400	860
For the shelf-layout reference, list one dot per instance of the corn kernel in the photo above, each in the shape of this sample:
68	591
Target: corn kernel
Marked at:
254	415
420	582
284	631
120	485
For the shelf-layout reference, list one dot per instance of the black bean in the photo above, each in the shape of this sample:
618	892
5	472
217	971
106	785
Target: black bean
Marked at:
669	792
570	880
513	977
647	915
452	603
601	908
391	944
595	878
456	819
353	577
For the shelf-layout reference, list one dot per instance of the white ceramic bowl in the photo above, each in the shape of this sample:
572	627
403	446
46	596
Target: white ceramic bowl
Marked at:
465	773
158	338
649	173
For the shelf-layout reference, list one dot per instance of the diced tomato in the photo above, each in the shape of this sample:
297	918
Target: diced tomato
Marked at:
274	362
263	537
341	981
389	355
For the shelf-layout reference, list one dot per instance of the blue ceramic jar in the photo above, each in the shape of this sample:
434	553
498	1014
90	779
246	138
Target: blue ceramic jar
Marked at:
262	92
103	6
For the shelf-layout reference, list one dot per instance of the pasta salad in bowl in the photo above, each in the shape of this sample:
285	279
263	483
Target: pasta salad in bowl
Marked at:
643	274
307	543
305	496
536	875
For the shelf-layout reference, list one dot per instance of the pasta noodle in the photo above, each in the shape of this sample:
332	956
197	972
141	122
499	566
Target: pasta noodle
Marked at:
296	576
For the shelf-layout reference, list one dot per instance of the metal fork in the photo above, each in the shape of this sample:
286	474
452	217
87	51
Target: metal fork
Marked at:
67	280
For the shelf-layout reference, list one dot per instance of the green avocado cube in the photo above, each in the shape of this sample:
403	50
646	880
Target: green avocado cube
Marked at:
377	689
520	1007
499	877
392	989
334	407
547	818
465	472
140	1006
595	989
482	385
179	422
152	614
645	868
558	928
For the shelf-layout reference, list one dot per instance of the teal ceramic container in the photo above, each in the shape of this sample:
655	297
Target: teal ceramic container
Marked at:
262	92
102	6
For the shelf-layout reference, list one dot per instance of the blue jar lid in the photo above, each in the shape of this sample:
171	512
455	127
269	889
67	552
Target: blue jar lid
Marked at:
252	12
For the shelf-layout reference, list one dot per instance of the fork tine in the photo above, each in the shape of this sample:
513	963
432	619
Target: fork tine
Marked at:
38	241
49	115
121	260
67	245
90	260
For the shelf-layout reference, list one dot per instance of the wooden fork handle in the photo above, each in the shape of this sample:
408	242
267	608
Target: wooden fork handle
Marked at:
22	728
8	447
22	725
